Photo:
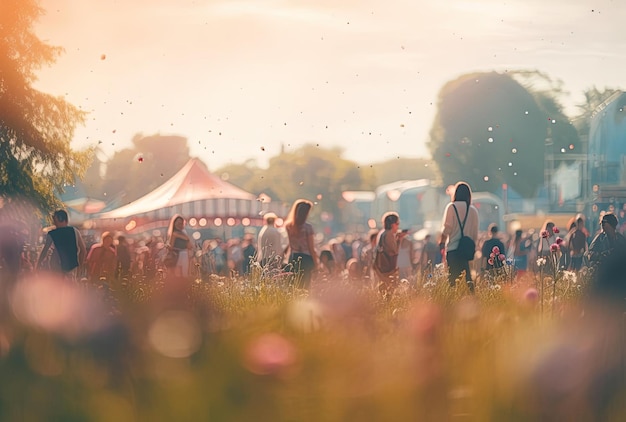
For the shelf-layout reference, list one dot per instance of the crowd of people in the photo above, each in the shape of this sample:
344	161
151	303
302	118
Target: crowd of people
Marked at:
379	259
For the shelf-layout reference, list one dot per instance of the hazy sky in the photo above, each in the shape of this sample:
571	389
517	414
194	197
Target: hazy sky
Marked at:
238	78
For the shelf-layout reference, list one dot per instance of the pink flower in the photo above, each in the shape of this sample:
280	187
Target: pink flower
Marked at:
492	255
559	241
554	247
496	250
490	261
544	234
501	257
270	354
531	295
555	230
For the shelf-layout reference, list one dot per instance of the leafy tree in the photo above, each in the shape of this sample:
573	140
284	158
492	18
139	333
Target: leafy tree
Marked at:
310	172
134	172
593	99
406	169
491	130
35	128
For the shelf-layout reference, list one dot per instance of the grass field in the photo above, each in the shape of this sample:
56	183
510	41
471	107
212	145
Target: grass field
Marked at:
257	348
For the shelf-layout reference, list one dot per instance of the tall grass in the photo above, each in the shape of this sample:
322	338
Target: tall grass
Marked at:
258	348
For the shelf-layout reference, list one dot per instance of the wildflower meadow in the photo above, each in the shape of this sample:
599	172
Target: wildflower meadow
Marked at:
258	348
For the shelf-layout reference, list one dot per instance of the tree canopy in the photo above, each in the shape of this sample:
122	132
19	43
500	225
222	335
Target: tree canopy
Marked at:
135	171
35	128
321	175
491	130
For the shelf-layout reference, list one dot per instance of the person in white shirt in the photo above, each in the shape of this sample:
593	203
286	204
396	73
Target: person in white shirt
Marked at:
270	249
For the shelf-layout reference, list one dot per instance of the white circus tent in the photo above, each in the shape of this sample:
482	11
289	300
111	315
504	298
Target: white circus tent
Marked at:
204	199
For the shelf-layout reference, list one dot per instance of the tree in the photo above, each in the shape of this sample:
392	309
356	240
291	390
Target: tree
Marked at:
134	172
35	128
593	99
406	169
310	172
491	130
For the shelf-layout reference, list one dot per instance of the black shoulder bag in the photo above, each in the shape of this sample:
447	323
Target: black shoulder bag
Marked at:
467	247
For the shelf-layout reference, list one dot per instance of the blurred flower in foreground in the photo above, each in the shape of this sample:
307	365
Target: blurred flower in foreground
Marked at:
305	315
425	321
270	354
175	334
467	309
531	295
54	304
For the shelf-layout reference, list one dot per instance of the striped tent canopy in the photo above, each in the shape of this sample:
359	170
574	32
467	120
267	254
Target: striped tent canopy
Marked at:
194	193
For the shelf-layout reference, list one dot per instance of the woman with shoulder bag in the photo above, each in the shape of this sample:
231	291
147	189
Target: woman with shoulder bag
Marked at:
460	218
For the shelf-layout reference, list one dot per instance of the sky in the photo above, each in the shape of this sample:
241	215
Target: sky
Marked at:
241	78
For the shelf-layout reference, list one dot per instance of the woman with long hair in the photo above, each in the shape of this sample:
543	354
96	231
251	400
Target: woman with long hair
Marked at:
519	248
303	258
178	244
459	213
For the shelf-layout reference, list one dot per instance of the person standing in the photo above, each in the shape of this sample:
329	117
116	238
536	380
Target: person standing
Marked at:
102	259
430	255
519	248
270	248
69	249
577	244
123	257
388	244
489	262
303	258
548	238
179	243
607	241
249	252
405	256
367	256
458	210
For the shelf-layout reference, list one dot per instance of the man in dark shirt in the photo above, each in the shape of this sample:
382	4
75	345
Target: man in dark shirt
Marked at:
487	249
607	241
607	254
69	249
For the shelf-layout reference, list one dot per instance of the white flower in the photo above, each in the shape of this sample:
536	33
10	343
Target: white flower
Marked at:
541	262
570	277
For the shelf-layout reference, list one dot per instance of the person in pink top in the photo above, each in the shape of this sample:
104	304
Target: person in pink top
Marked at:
303	258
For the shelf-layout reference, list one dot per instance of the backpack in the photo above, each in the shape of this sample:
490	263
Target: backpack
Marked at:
383	263
467	247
